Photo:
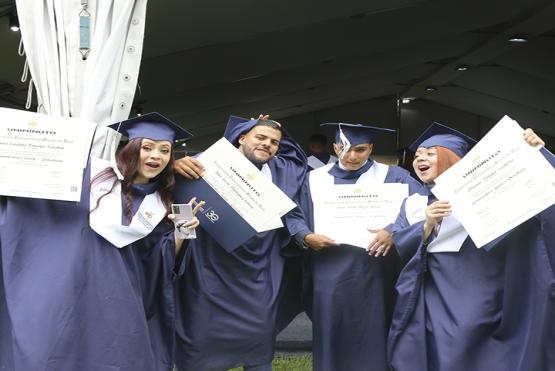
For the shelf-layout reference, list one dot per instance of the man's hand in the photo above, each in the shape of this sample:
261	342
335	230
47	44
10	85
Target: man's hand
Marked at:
189	167
532	138
381	243
318	241
262	117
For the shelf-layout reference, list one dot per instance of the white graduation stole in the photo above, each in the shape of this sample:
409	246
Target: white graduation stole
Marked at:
315	162
106	218
415	208
266	171
275	222
451	234
321	182
320	179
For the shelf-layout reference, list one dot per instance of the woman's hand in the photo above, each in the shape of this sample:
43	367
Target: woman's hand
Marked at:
189	224
193	223
532	138
435	212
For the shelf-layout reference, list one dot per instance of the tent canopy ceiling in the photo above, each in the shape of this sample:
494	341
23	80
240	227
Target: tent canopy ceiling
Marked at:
205	60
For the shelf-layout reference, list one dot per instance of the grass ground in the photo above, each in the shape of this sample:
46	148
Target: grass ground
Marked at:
290	363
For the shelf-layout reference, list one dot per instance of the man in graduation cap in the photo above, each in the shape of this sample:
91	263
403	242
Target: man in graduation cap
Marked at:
352	292
317	150
227	301
461	308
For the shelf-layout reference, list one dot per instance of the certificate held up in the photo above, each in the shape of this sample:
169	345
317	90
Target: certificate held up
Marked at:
240	200
43	156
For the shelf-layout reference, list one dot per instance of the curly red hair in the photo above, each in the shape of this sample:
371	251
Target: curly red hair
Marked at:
445	159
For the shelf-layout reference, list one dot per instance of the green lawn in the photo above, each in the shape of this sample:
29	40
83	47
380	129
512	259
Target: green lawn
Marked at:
290	363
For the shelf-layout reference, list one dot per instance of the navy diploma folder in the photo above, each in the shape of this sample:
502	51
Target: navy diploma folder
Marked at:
216	217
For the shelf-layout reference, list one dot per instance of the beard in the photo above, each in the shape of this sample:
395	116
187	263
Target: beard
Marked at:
258	162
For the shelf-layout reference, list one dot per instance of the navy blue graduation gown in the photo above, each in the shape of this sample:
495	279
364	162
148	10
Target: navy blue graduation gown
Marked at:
70	300
477	309
352	296
227	302
6	358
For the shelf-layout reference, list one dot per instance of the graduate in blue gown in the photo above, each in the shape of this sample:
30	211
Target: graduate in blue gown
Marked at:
470	309
317	149
227	302
353	293
88	286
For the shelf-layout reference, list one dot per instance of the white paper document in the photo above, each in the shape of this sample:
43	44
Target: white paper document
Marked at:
43	156
344	212
244	187
499	184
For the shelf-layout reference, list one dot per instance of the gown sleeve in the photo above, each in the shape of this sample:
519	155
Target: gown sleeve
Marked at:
407	238
299	223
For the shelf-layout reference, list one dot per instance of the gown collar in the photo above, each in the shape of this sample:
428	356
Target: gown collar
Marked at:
338	172
143	189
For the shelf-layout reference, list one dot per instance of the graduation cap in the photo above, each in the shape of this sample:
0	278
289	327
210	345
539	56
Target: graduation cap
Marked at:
153	126
237	126
357	133
443	136
354	134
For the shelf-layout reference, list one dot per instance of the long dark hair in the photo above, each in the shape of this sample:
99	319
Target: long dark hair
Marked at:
128	162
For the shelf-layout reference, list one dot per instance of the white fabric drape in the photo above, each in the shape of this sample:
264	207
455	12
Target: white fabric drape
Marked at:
99	89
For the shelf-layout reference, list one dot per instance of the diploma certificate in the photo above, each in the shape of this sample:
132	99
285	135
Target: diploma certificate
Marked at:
348	210
499	184
43	156
251	194
240	200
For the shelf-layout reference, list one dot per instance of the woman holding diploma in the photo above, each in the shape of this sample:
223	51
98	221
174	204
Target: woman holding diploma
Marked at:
462	308
89	286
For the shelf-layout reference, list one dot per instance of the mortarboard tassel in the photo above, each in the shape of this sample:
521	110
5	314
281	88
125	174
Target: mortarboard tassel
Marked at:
346	144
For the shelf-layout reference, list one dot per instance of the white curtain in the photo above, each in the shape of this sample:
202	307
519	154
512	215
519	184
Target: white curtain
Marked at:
100	88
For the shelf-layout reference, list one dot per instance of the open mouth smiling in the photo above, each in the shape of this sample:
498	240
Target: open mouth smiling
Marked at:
152	165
